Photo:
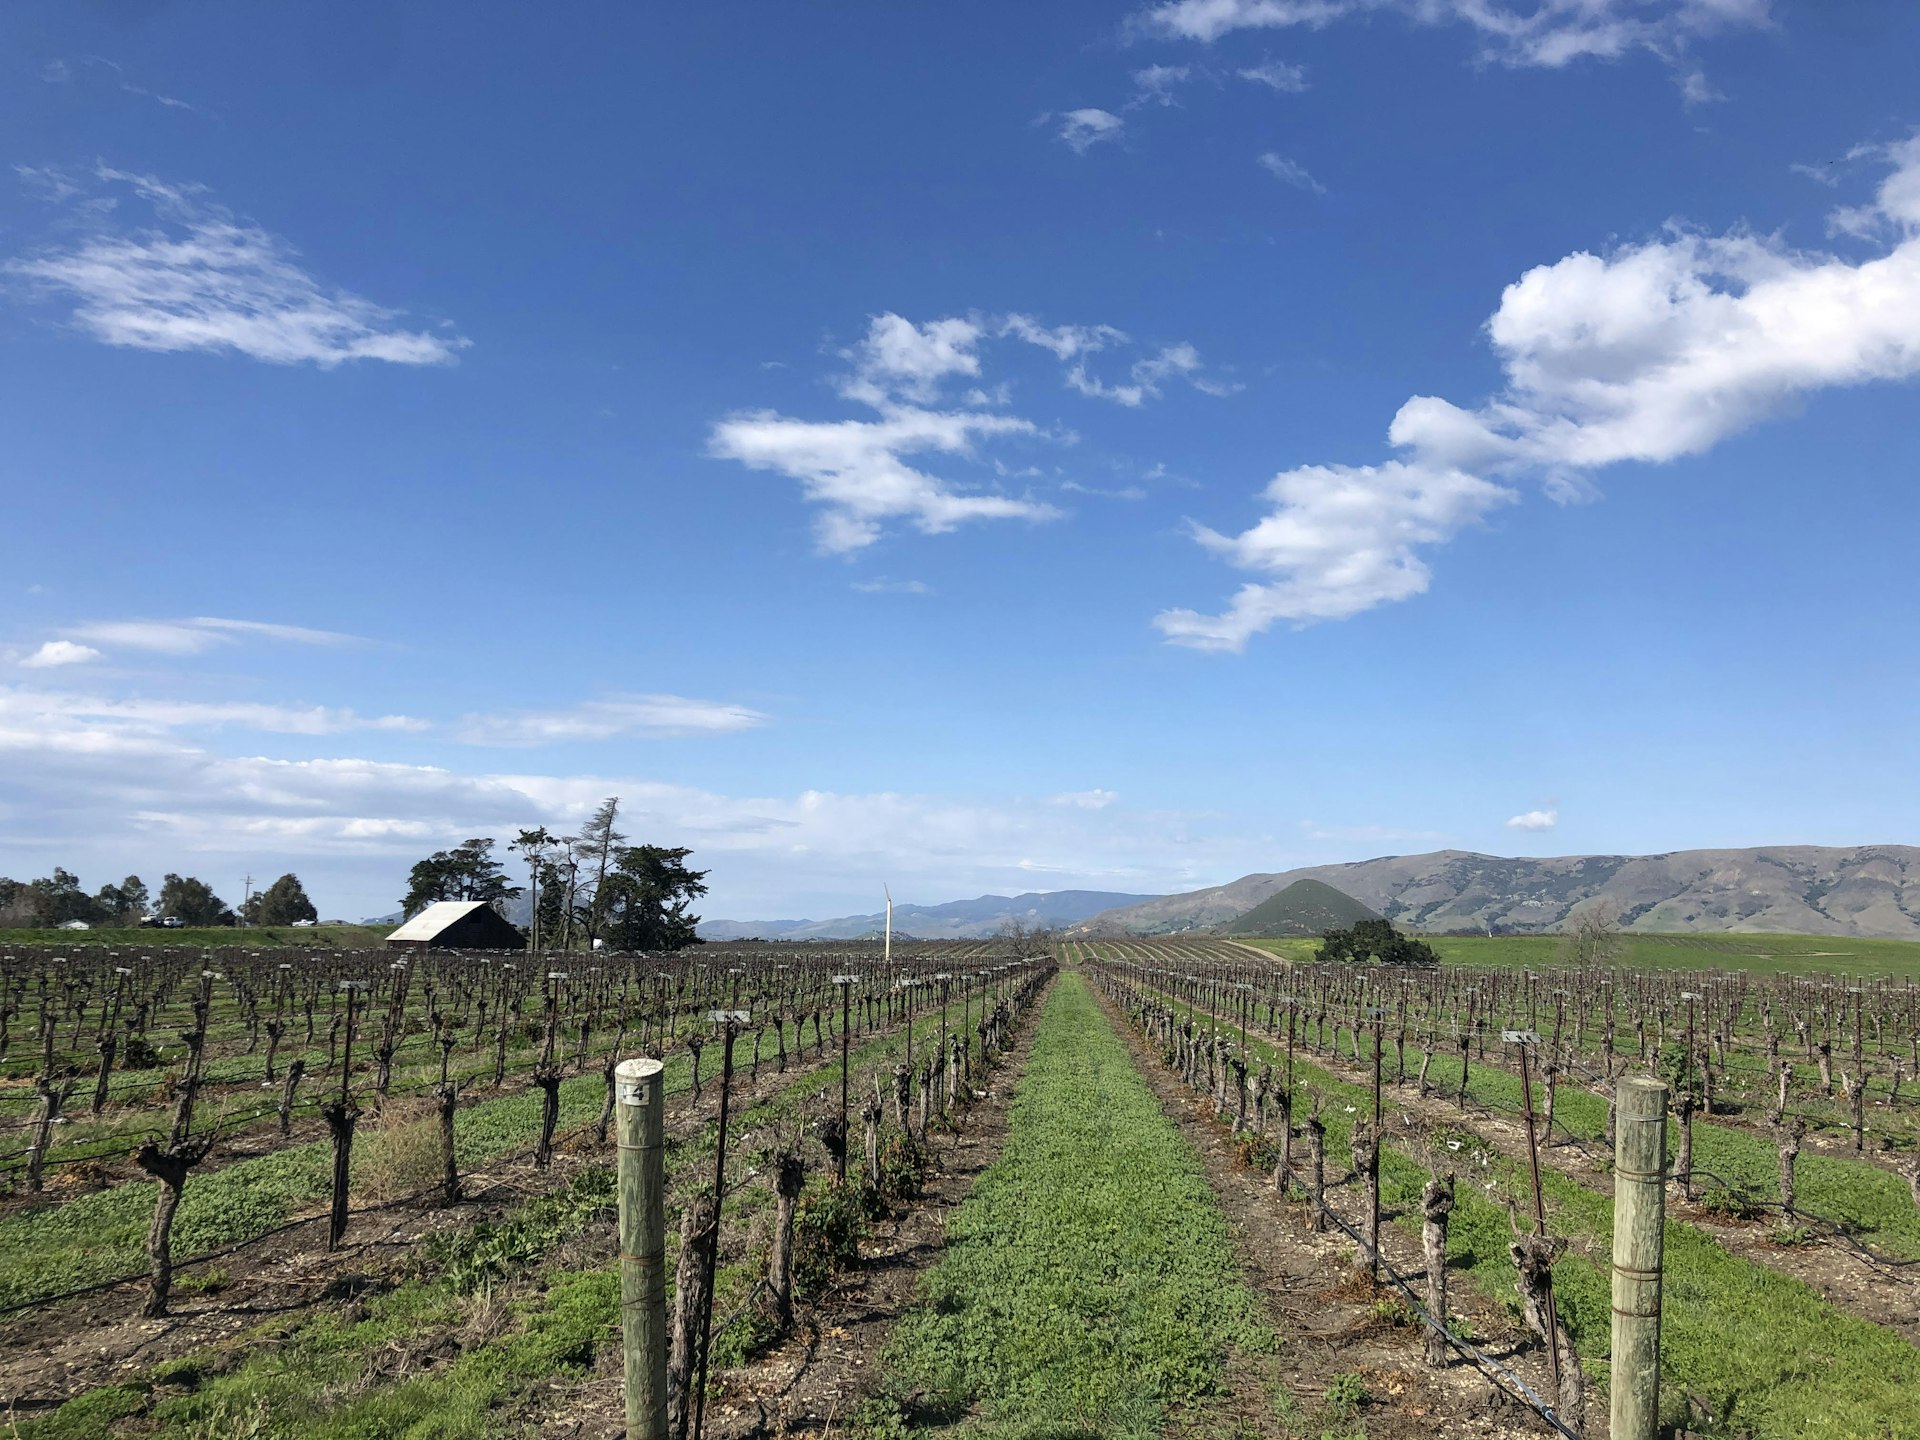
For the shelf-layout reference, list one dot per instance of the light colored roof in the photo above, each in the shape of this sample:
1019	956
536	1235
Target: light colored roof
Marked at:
436	918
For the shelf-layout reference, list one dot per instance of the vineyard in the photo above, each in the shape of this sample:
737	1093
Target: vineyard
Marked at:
1124	1187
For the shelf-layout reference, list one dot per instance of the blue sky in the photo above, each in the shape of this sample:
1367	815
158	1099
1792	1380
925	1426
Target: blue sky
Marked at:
983	447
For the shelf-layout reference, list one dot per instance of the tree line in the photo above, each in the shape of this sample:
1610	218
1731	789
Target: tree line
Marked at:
585	888
59	898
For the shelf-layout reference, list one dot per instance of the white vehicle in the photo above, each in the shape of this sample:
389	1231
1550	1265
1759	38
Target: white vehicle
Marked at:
75	925
305	924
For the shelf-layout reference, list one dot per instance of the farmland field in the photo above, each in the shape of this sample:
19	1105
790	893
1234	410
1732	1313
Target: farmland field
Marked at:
1754	954
1076	1201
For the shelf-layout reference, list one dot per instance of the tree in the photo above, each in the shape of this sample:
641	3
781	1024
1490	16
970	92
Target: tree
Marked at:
534	845
281	903
193	901
550	910
123	904
59	898
1376	939
643	900
594	851
466	872
1592	935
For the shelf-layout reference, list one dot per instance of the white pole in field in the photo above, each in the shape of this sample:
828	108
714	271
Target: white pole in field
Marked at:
888	957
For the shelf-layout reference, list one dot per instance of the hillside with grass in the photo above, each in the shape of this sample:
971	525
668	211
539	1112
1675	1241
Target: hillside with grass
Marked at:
1306	907
1869	891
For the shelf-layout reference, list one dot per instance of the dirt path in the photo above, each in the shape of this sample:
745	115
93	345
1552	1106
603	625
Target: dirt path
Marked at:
1331	1323
808	1384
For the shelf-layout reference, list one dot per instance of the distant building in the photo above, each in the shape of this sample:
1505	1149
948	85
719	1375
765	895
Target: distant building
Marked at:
457	925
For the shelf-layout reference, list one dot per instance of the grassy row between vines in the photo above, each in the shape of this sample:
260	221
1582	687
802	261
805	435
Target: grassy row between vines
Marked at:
1768	1354
1088	1285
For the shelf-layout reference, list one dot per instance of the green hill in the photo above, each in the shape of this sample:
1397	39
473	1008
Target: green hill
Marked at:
1306	907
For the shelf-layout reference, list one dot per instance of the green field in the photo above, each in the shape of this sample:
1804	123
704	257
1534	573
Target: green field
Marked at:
212	937
1757	954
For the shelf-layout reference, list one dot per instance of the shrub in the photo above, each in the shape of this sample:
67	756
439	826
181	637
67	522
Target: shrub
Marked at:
400	1155
827	1226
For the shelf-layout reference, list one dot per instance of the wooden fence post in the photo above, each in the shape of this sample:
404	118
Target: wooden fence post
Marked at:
1639	1217
643	1246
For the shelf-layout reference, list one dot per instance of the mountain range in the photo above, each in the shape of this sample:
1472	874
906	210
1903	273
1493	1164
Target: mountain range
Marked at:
1864	890
955	920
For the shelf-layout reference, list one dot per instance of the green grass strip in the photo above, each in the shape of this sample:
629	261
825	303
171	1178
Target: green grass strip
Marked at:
1088	1283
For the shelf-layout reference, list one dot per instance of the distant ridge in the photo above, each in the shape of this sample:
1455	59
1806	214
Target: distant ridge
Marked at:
1306	907
1871	891
956	920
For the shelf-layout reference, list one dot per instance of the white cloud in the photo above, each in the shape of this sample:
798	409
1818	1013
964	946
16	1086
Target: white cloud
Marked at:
858	469
1083	129
1652	353
1277	75
1087	799
201	633
880	585
106	797
1535	820
60	652
1289	172
1124	492
927	385
1549	33
1342	539
646	715
900	359
199	278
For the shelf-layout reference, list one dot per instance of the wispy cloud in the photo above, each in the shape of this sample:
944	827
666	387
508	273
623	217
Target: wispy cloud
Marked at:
60	652
1148	376
199	278
1545	33
1535	820
657	716
1157	84
1081	130
1651	353
127	717
1289	172
881	585
199	634
1087	799
1277	75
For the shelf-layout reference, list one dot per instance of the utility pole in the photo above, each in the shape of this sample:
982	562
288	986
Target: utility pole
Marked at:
246	902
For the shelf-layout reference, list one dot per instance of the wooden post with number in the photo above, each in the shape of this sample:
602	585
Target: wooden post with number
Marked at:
643	1245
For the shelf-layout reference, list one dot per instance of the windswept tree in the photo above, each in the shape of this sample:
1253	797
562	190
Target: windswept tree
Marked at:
469	871
281	903
1591	934
193	901
594	852
646	897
